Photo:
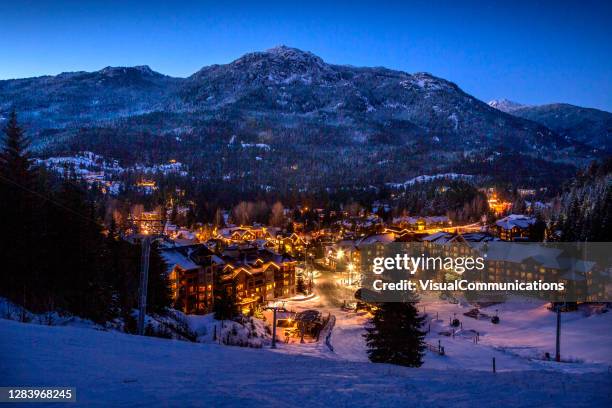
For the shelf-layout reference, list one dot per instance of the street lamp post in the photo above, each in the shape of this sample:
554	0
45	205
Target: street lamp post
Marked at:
351	267
310	271
339	255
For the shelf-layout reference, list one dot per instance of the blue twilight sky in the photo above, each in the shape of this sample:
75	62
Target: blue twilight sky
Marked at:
528	51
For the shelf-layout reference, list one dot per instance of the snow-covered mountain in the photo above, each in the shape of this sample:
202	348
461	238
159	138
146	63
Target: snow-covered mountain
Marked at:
505	105
289	99
283	86
592	127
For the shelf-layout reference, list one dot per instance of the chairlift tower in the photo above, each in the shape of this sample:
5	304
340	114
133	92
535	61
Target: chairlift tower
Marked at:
275	308
144	276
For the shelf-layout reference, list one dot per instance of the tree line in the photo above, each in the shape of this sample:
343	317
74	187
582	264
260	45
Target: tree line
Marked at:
585	210
58	256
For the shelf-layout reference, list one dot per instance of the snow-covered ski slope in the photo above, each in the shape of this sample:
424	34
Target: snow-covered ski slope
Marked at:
114	369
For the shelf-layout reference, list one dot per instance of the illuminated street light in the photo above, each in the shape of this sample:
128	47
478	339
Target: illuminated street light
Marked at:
351	267
339	254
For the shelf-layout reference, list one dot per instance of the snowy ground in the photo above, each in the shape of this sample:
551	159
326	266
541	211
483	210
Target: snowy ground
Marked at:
251	333
526	332
114	369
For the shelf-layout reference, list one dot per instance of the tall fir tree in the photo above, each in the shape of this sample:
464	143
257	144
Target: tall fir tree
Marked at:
300	287
15	161
395	336
18	214
601	222
572	224
224	305
77	259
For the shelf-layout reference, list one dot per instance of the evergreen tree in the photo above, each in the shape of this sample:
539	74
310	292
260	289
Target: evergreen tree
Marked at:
300	287
538	230
15	161
159	297
123	265
76	259
59	258
19	213
224	305
395	335
571	228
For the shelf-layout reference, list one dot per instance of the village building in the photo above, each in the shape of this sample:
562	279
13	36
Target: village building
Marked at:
255	275
346	255
191	275
507	262
252	274
241	234
410	223
515	227
361	225
293	244
510	261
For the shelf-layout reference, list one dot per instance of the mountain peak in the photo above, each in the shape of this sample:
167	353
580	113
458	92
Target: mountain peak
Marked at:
288	52
138	69
505	105
281	54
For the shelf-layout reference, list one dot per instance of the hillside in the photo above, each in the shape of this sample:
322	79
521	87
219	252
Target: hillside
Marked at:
314	115
283	86
110	369
590	126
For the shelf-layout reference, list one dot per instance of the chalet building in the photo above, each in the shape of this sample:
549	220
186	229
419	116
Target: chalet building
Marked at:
404	234
499	206
515	227
293	244
191	273
320	241
243	234
446	244
346	252
341	253
509	261
180	235
361	225
526	192
420	223
254	275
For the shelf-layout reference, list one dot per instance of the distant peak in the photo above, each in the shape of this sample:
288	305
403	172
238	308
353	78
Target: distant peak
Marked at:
142	69
505	105
290	53
284	50
145	69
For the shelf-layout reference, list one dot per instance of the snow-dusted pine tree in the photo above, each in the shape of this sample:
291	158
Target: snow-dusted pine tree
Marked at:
394	335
